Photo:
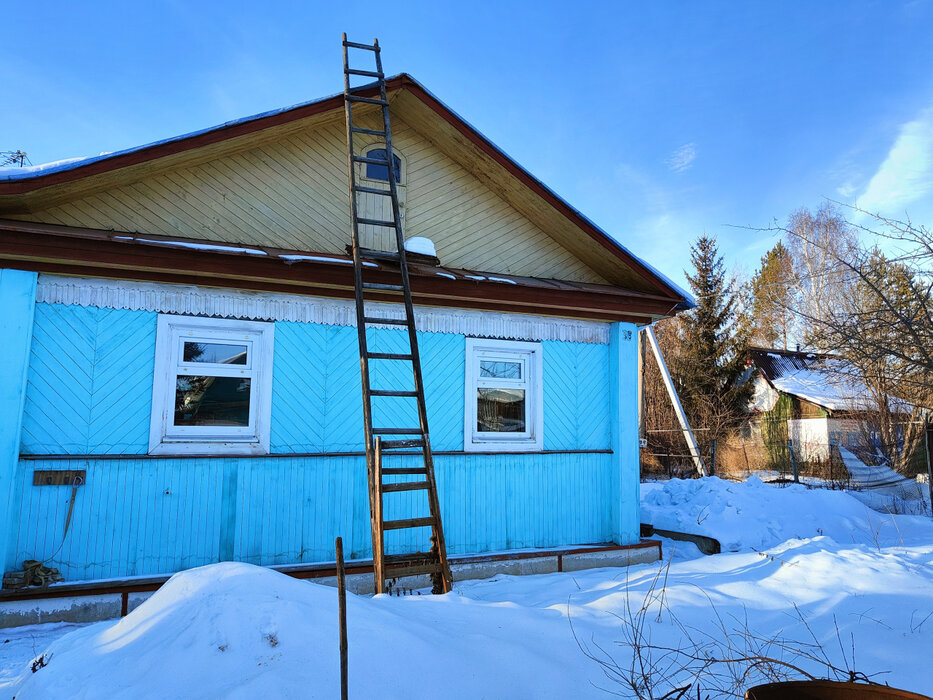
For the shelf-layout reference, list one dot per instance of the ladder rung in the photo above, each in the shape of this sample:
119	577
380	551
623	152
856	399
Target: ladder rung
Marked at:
386	321
388	287
371	132
412	558
369	73
404	470
402	571
392	392
397	431
373	190
375	222
405	486
401	444
407	523
388	356
367	100
354	45
374	161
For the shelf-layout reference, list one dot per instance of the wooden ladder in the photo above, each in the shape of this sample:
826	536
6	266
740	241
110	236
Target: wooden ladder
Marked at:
433	562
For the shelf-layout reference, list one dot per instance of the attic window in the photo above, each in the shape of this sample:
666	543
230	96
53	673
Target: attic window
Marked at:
381	172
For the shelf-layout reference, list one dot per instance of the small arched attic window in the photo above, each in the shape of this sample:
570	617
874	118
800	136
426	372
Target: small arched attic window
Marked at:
375	171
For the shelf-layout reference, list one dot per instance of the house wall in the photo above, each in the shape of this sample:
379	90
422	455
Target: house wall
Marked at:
810	438
88	402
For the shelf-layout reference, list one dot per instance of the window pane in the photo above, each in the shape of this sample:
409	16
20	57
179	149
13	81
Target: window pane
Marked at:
500	370
212	401
500	410
218	353
381	172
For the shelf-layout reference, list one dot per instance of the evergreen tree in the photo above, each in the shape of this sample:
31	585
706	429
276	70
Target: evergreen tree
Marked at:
771	297
710	366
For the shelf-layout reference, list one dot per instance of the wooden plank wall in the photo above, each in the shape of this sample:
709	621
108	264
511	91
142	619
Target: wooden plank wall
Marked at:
140	516
291	193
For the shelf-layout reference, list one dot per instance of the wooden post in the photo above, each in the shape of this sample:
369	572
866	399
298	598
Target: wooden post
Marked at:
642	427
793	460
712	458
675	402
929	439
342	603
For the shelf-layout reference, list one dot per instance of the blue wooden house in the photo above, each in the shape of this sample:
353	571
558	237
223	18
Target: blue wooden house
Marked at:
180	375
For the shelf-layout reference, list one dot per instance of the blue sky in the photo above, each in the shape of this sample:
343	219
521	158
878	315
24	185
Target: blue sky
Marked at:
660	121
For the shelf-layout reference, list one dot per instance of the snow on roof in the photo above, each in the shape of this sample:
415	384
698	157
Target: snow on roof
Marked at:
827	381
826	384
15	173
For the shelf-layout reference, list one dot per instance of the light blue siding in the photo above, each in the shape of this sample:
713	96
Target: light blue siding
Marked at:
17	306
91	372
148	516
623	380
89	391
576	396
90	381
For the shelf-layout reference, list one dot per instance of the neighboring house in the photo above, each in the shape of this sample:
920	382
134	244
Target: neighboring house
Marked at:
817	398
178	327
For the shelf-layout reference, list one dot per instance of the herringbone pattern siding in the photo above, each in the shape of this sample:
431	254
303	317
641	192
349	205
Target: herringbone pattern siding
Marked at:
90	381
576	396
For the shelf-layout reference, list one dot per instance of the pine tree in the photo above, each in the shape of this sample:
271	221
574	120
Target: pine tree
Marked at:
711	365
771	290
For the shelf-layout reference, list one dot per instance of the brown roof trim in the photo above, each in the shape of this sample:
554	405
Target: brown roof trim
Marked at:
402	81
114	254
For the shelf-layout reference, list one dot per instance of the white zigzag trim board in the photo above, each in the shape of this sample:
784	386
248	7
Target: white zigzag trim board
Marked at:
223	303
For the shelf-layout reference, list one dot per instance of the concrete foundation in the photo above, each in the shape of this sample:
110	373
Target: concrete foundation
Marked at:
84	607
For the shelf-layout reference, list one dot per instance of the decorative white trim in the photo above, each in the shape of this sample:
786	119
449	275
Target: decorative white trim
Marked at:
530	356
268	306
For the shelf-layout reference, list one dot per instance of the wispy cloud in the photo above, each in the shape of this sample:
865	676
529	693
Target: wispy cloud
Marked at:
682	159
906	174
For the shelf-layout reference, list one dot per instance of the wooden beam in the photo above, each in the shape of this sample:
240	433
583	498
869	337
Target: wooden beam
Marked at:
675	402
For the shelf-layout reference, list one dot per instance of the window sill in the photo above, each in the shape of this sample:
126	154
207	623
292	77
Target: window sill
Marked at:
503	446
204	447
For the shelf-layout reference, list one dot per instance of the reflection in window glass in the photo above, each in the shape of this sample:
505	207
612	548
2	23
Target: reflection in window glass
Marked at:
217	353
500	370
381	172
222	401
500	410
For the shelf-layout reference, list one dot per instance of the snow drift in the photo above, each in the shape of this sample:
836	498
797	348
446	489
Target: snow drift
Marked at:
753	516
241	631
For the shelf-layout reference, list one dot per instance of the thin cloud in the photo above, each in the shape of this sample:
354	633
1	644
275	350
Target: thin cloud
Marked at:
906	175
682	159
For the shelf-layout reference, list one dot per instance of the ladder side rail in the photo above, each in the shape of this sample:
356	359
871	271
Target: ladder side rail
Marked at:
434	504
358	292
377	517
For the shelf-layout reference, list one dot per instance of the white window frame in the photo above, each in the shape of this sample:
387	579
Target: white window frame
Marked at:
531	357
171	333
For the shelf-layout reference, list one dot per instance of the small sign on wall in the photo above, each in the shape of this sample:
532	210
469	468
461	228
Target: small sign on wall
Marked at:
58	477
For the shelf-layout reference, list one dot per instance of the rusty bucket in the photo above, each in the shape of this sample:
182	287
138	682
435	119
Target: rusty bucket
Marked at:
828	690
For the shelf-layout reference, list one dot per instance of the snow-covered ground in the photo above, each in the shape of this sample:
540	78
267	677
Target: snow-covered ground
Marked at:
804	573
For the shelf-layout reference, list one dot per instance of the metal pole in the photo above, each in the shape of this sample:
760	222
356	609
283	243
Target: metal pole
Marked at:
342	598
675	401
712	459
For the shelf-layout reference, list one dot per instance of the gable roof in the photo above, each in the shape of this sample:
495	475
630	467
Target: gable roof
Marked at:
23	189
